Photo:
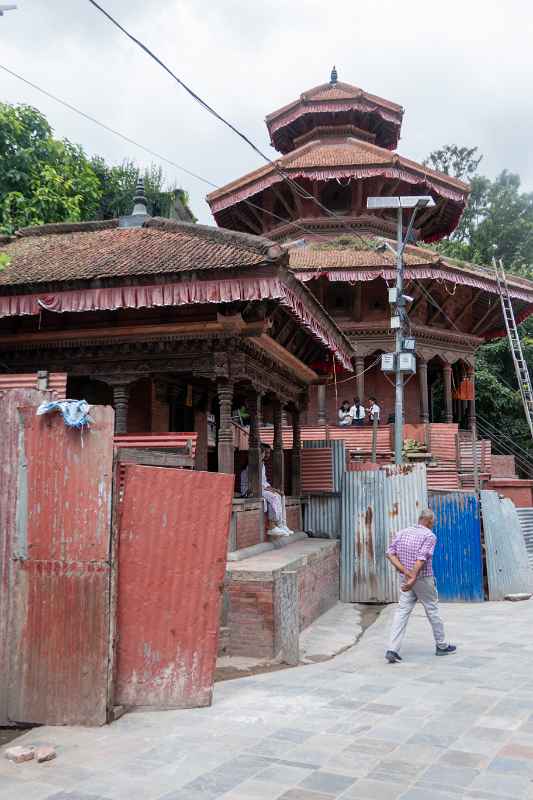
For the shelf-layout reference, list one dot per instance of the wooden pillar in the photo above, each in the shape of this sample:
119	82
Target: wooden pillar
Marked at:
471	375
225	431
321	398
448	404
296	482
423	387
200	426
278	477
360	380
254	445
121	396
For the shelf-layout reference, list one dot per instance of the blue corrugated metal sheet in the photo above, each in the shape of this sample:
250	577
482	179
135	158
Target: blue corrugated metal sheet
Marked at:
507	559
457	561
322	514
374	507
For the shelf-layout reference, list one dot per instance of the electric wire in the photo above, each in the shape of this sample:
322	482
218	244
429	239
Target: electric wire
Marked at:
506	449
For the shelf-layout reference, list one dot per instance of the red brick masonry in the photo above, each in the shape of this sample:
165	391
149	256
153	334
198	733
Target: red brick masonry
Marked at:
251	593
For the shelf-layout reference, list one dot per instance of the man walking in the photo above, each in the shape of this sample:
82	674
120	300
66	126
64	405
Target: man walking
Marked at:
411	554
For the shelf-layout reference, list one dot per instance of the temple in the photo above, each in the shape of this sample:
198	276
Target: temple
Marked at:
338	148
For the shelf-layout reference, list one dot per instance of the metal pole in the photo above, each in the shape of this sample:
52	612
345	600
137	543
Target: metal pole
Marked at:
398	405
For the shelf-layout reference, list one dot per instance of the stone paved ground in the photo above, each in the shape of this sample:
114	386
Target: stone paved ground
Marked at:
351	728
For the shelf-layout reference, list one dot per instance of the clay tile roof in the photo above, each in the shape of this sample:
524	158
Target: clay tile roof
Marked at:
86	251
319	256
327	153
336	91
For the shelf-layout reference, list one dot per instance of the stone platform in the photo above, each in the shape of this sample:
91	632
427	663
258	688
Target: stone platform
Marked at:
272	596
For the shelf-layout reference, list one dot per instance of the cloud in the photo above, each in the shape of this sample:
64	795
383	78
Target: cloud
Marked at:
462	72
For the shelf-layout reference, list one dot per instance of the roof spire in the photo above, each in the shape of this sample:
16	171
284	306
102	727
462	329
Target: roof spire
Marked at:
334	76
140	199
140	211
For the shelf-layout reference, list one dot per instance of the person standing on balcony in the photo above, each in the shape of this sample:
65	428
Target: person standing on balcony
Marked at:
373	410
411	554
344	414
357	412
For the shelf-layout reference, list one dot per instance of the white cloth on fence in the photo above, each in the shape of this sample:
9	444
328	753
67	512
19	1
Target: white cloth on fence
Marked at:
75	413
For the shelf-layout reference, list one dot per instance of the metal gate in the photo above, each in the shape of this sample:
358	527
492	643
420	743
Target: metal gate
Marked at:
375	506
457	561
55	523
173	528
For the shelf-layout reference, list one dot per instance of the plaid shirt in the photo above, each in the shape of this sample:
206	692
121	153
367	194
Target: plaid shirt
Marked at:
414	544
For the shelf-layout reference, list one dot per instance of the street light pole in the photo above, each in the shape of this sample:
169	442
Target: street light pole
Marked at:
400	305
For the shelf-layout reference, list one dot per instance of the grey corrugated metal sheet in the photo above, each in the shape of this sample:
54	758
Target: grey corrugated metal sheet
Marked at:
525	515
322	514
507	558
374	507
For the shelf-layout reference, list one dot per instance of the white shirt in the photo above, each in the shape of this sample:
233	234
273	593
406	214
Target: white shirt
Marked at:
374	410
344	417
245	480
357	412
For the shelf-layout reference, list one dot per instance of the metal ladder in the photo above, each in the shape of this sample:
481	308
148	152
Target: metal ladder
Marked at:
520	365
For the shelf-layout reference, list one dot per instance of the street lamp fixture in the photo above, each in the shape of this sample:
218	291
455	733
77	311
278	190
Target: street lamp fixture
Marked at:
4	8
414	202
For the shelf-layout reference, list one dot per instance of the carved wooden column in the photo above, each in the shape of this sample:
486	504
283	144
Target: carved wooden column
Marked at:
423	386
278	476
321	398
359	369
471	375
254	445
121	396
448	404
296	483
225	431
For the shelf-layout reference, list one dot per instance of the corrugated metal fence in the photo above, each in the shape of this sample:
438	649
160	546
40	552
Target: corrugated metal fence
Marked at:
375	506
322	511
525	515
457	561
507	559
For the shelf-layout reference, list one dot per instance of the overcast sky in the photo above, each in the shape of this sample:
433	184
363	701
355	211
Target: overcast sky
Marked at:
463	71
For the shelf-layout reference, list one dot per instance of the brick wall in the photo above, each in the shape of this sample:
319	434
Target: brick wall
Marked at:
294	517
251	618
318	587
503	467
248	528
250	603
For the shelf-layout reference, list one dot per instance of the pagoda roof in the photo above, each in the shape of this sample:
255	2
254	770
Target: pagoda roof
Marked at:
94	250
343	158
334	98
100	266
356	259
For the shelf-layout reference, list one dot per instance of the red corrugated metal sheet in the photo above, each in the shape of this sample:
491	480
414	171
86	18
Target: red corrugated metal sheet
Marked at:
354	438
442	443
59	585
316	466
173	534
55	382
158	440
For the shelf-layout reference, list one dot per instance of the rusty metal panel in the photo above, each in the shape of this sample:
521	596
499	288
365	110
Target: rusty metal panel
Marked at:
316	470
322	513
58	618
55	382
172	545
183	441
505	549
374	507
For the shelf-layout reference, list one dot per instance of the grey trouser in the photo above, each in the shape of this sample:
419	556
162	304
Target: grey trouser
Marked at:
424	590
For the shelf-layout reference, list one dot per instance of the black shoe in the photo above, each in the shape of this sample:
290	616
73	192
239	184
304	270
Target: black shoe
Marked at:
446	651
392	657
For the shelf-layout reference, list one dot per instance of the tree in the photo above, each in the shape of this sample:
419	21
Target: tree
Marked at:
118	187
42	179
497	222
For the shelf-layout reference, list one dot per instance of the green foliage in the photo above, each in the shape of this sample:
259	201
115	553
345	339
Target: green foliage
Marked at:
497	222
5	261
43	179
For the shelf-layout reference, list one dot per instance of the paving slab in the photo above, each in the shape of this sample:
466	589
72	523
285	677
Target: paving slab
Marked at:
349	727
